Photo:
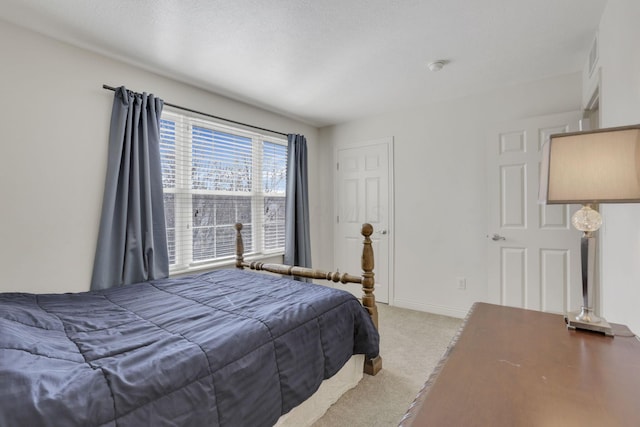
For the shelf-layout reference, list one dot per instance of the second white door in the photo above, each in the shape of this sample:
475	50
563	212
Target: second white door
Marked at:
363	195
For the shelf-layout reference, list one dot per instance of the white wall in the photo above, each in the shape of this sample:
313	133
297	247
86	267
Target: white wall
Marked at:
441	189
619	38
54	119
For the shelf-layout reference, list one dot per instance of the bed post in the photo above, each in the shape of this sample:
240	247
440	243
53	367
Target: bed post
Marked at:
239	246
371	366
368	280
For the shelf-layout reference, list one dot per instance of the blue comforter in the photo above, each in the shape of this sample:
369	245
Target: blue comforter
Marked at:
225	348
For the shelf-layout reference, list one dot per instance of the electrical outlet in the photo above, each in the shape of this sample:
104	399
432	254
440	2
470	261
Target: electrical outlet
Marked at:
462	283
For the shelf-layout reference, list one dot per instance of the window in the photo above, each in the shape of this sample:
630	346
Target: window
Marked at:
214	176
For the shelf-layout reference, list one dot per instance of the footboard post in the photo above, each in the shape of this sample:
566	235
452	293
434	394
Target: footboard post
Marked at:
371	366
239	246
368	280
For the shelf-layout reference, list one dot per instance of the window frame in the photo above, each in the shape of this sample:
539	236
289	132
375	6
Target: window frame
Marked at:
183	206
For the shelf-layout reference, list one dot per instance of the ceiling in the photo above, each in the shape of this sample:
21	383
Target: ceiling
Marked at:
328	61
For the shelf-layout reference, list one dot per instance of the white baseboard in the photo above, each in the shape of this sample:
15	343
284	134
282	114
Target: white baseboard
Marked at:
430	308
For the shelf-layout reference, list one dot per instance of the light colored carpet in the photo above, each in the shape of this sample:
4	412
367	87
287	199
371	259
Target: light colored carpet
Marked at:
411	344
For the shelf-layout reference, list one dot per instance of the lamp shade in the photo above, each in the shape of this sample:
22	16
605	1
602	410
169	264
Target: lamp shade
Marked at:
600	166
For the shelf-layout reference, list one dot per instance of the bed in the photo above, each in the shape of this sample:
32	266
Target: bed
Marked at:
229	347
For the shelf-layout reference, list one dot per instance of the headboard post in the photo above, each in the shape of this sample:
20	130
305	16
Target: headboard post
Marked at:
239	246
368	280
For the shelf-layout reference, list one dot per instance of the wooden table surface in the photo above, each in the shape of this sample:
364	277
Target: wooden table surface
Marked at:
515	367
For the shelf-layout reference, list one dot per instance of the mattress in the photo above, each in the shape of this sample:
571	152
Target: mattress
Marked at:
223	348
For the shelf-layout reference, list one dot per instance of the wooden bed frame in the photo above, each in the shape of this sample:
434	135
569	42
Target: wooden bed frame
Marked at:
371	366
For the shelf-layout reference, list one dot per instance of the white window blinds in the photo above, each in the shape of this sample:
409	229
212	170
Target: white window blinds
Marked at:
214	176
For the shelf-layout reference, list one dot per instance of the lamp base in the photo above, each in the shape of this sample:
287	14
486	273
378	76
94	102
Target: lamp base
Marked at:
585	319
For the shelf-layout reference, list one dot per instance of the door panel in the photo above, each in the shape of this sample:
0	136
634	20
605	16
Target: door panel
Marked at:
513	276
512	196
554	280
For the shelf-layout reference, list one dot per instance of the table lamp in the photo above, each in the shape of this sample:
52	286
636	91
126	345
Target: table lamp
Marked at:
589	168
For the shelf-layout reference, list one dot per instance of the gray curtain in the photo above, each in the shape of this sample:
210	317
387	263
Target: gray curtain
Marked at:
132	242
297	244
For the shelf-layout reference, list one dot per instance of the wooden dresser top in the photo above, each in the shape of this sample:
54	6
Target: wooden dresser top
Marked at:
514	367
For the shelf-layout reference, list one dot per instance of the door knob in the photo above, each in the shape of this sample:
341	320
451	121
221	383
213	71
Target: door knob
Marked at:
382	232
497	237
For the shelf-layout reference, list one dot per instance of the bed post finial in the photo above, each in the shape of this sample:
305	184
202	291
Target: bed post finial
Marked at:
368	280
239	246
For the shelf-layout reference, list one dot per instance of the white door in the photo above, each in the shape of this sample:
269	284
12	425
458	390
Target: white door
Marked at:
533	250
363	194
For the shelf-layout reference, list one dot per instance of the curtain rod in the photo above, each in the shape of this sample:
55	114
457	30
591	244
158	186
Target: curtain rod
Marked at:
206	114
